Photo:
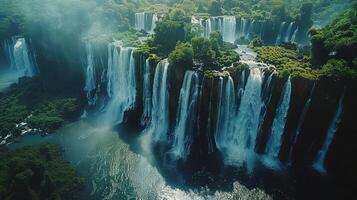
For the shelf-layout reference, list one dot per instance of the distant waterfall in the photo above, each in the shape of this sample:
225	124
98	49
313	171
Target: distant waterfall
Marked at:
277	130
121	86
280	34
153	23
293	37
300	122
226	112
229	29
226	25
288	32
147	101
22	61
146	21
251	29
321	155
160	101
187	111
90	82
243	27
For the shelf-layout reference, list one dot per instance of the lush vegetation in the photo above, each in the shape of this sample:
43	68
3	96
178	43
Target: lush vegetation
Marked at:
37	172
287	62
30	102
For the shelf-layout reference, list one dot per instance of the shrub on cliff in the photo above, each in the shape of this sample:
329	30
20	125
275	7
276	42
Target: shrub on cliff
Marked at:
182	56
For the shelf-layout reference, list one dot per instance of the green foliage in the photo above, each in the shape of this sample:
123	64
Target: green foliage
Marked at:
182	56
215	8
337	40
226	58
37	172
339	70
216	39
257	42
48	111
202	51
287	62
168	33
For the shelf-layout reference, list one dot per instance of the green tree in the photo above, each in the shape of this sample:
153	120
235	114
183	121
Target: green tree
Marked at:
182	56
216	8
168	33
202	51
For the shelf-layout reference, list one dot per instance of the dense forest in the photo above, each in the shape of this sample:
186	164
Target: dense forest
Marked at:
205	84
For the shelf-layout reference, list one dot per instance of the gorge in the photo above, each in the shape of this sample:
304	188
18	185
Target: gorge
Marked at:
185	100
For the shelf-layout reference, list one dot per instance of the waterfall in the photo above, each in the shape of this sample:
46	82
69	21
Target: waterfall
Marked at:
21	60
146	21
243	27
226	112
160	101
208	27
186	115
280	34
248	118
300	123
90	81
226	25
288	32
250	30
146	93
140	21
229	29
293	37
153	23
277	130
321	155
121	86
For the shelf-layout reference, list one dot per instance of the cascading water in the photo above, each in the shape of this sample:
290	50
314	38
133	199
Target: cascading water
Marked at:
280	34
21	59
288	32
91	79
248	117
321	155
147	101
277	130
250	30
226	112
160	111
154	19
121	86
229	29
293	37
140	21
226	25
187	112
243	27
146	21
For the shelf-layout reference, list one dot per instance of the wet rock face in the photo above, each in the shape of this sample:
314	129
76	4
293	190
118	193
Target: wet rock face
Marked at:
301	90
176	76
203	142
341	157
324	103
272	98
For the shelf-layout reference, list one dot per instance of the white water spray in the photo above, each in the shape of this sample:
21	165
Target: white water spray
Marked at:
187	111
277	130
